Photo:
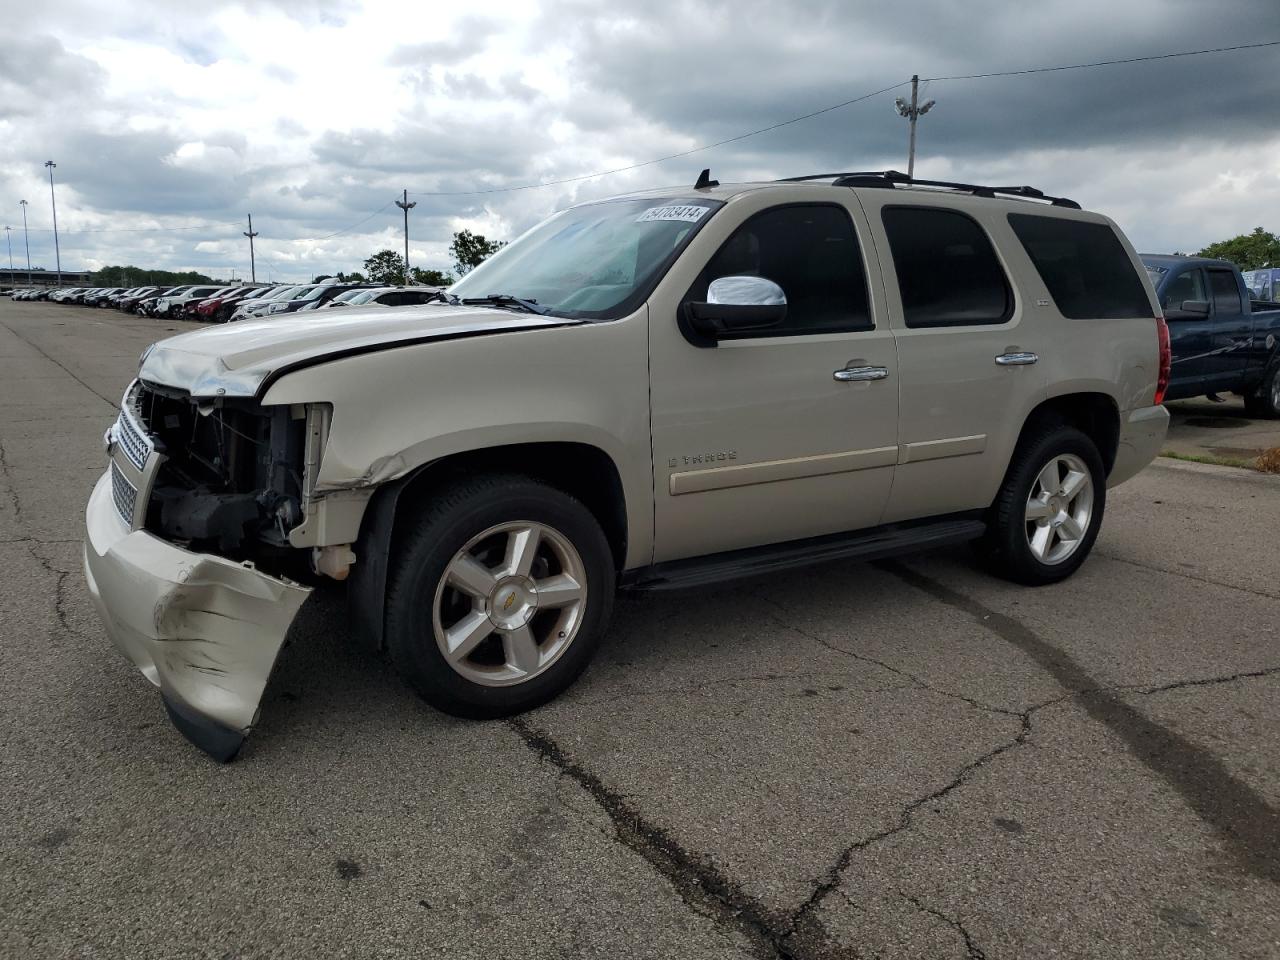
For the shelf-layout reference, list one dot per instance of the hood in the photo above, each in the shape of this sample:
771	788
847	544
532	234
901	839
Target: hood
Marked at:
238	359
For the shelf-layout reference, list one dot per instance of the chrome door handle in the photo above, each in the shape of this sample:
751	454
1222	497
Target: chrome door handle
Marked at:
1016	359
861	373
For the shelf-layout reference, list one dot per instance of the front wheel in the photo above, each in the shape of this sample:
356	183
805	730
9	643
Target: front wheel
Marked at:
1049	509
499	597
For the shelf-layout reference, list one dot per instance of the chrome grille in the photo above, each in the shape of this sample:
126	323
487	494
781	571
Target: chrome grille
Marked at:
124	494
135	445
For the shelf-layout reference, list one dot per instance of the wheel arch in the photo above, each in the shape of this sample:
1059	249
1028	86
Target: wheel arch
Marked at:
1096	415
581	470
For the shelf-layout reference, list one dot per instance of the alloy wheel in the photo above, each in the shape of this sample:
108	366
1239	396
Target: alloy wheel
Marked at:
510	603
1059	509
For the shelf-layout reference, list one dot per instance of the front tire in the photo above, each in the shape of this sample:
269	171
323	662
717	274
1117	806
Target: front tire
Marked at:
1047	514
499	596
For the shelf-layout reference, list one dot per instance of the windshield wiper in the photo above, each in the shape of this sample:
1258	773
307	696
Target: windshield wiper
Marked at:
506	300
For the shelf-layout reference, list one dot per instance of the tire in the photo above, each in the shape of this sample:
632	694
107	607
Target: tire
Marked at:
455	579
1018	547
1264	401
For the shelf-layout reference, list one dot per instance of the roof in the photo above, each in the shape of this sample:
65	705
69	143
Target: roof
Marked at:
1168	260
876	180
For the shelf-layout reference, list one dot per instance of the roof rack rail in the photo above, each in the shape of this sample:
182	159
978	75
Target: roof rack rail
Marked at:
891	178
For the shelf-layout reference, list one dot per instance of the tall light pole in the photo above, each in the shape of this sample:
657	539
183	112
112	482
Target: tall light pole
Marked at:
57	252
251	233
913	112
8	240
406	206
25	240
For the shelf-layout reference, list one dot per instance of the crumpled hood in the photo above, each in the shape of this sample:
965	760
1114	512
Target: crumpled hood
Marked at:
236	359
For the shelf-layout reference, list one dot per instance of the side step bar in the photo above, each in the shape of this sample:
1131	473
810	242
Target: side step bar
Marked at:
873	544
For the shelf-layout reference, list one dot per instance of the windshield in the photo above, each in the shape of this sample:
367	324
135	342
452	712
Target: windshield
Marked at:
1156	274
597	261
311	294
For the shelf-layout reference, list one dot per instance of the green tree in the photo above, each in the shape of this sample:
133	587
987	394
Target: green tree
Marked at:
430	278
471	249
1249	251
138	276
385	266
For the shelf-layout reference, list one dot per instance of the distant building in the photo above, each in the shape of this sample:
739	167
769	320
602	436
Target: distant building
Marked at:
43	278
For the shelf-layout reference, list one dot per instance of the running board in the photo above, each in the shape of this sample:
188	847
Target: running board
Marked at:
873	544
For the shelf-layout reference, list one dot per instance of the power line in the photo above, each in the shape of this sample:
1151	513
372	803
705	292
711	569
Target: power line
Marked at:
1108	63
670	156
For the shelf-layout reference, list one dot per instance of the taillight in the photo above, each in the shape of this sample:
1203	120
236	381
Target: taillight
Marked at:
1166	360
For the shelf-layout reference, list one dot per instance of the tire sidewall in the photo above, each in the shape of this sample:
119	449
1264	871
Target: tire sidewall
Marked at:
1019	561
410	631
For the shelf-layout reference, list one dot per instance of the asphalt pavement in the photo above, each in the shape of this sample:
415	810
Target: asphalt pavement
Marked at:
903	759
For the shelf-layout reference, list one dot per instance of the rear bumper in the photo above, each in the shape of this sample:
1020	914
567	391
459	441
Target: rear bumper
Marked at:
1142	433
204	629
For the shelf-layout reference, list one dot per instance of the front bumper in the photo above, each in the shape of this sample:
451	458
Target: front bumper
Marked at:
204	629
1142	433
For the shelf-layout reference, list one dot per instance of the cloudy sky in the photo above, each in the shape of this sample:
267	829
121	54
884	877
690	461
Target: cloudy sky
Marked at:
169	122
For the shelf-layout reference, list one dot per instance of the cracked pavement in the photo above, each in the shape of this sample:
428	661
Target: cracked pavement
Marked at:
902	759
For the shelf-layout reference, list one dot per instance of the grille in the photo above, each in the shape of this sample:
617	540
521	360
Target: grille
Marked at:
136	446
124	493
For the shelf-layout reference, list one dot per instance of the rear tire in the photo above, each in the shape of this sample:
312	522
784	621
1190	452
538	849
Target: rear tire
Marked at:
1264	402
499	597
1047	514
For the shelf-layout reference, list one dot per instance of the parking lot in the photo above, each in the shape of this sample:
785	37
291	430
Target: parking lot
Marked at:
903	759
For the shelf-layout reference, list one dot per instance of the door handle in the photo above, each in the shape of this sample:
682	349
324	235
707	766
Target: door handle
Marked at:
861	373
1016	359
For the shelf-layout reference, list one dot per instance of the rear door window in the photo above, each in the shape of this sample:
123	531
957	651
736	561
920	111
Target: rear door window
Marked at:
948	274
1226	293
1084	266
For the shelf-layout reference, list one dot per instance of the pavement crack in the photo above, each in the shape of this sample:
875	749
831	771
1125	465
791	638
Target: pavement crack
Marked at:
1207	681
59	593
915	681
69	372
699	883
9	487
1248	826
1189	576
974	951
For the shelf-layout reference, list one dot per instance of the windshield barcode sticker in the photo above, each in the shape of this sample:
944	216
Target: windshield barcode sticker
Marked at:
684	213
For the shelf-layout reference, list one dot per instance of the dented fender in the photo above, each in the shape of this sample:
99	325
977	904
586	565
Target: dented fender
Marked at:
204	629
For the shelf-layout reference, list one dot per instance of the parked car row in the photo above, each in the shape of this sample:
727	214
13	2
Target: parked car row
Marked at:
216	304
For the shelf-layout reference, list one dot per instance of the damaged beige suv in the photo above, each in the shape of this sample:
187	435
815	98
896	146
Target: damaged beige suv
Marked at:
659	390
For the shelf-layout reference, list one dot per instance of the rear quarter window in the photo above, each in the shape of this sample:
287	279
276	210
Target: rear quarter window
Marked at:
1084	266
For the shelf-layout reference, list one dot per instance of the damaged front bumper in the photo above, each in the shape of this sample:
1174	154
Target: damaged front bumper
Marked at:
204	629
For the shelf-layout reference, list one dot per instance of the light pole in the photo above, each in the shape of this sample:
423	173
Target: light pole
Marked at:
913	112
9	240
406	206
54	203
251	233
25	241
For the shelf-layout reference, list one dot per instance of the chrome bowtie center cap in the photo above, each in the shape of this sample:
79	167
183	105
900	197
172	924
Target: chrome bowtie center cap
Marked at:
512	603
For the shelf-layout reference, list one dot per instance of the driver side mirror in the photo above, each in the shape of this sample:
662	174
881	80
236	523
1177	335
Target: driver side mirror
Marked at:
1189	310
737	307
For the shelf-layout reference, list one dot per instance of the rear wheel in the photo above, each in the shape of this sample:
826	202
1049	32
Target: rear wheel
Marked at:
500	597
1049	510
1264	402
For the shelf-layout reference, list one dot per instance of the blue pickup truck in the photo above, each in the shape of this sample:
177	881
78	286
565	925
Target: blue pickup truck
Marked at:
1222	340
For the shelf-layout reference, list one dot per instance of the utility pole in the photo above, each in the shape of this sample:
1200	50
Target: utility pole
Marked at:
913	112
406	206
57	252
25	240
251	233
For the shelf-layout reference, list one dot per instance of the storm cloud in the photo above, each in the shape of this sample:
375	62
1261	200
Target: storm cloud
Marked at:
170	124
